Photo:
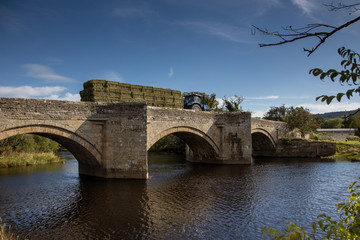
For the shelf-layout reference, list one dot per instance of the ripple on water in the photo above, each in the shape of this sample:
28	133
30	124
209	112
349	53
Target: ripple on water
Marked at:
180	200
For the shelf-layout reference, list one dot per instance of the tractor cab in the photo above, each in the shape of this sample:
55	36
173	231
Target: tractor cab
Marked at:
195	101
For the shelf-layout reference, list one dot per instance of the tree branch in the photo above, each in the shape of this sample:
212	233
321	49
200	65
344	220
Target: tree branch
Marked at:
305	32
351	7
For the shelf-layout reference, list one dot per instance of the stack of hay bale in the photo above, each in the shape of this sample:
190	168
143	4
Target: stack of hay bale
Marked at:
108	91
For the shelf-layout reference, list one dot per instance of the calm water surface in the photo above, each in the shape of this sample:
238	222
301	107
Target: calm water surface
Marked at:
180	201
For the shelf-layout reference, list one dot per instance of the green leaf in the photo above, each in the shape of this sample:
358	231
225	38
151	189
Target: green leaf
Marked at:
317	98
329	99
334	75
339	96
316	71
354	77
323	75
314	226
349	93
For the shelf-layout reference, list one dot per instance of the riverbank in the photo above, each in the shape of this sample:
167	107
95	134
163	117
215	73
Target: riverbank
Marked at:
27	159
347	150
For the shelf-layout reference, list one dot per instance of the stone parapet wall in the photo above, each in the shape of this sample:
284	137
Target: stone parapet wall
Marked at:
108	91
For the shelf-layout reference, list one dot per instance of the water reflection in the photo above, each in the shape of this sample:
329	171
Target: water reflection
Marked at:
180	200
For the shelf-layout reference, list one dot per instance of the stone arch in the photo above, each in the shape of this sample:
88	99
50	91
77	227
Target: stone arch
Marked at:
83	150
202	146
262	142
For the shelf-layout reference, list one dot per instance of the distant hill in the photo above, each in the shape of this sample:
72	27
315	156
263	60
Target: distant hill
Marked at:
340	114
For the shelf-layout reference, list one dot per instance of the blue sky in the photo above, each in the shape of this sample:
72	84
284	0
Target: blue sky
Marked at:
49	48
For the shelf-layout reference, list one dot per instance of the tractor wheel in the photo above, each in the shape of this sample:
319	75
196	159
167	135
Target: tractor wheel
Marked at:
196	107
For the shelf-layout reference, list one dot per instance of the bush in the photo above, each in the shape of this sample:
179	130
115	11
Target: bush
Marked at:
28	143
353	138
169	143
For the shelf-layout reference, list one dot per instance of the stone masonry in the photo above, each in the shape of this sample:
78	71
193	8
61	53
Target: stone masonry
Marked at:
107	139
111	140
212	137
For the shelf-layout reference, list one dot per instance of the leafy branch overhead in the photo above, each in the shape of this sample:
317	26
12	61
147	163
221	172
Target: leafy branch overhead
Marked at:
319	31
350	75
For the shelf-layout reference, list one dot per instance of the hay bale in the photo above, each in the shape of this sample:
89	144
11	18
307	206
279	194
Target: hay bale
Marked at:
106	91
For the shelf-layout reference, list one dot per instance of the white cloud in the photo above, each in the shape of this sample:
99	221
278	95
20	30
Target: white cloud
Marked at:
171	72
113	76
38	92
220	101
28	91
333	107
67	97
306	5
259	114
45	73
223	31
263	98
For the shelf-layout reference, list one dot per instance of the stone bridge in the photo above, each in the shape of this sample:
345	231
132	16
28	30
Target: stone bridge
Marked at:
111	140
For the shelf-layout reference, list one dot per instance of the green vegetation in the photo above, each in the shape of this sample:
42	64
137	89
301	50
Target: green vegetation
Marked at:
5	232
296	118
348	227
233	104
27	159
333	123
28	149
347	150
350	75
170	144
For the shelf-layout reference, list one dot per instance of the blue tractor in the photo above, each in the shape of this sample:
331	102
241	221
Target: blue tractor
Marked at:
195	101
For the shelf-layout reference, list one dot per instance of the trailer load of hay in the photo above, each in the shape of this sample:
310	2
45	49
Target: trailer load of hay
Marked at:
108	91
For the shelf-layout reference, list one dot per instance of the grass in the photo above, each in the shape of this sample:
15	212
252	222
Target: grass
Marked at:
5	232
347	150
27	159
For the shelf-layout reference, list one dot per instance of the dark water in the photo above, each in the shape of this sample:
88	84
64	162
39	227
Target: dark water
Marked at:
180	201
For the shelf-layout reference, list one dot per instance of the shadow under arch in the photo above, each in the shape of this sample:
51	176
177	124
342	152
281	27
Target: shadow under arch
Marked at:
83	151
262	142
202	147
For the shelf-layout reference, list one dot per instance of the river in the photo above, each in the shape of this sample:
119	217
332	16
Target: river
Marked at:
181	200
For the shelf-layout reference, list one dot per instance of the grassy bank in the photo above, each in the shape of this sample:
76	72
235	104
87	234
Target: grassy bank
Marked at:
27	159
347	150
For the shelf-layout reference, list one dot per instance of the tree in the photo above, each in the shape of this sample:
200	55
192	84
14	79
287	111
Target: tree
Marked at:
300	118
233	104
277	113
333	123
29	143
350	75
319	31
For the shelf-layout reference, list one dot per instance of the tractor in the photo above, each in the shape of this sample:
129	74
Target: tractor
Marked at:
196	102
